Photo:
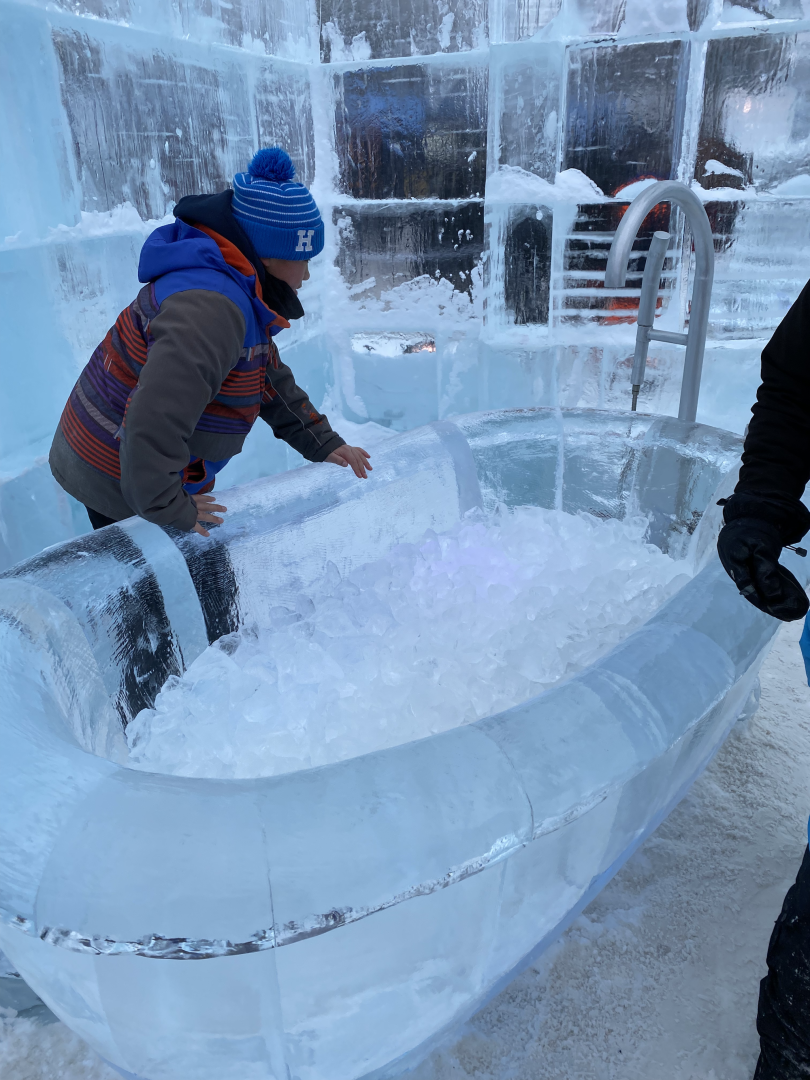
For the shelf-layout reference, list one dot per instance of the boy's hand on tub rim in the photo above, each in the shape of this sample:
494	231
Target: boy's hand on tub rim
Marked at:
355	456
206	505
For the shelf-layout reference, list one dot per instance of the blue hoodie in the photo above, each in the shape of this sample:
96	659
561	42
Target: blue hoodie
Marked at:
178	257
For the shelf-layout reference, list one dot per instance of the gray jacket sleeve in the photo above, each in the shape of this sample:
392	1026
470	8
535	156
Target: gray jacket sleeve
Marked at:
289	412
197	339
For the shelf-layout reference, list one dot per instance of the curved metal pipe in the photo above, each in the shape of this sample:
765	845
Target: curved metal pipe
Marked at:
656	255
616	273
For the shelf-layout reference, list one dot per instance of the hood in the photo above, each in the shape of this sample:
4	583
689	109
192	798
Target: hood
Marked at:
180	247
214	211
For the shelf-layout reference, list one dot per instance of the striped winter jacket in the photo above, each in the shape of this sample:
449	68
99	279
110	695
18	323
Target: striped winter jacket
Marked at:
170	394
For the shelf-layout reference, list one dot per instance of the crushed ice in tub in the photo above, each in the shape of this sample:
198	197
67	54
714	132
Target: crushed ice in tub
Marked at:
439	633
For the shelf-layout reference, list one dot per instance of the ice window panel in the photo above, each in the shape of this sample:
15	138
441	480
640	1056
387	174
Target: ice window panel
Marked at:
376	29
392	344
696	11
412	131
625	111
284	114
755	127
119	11
527	80
527	264
279	28
397	394
523	19
760	264
643	18
761	10
383	247
580	296
148	128
599	16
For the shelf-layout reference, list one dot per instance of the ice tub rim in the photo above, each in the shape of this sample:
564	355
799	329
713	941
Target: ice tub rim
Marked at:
248	782
489	730
505	438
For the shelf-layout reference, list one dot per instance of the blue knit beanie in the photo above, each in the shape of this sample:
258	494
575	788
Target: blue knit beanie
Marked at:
278	214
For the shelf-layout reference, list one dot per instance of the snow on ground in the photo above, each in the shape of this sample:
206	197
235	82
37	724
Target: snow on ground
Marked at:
30	1052
658	979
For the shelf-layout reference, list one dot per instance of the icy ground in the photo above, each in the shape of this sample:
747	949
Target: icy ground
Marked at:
658	979
460	626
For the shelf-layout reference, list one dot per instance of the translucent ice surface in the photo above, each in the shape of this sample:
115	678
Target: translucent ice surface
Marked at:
461	625
616	98
417	123
413	132
756	109
370	29
331	923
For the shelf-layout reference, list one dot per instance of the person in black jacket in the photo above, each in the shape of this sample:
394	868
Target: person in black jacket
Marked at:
764	514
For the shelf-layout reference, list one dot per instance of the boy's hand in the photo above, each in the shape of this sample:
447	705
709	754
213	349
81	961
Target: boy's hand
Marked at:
355	456
206	505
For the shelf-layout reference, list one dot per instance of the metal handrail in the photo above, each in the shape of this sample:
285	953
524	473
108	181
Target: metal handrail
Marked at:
616	273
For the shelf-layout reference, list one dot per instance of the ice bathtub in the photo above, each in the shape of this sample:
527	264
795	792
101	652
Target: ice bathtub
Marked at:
334	923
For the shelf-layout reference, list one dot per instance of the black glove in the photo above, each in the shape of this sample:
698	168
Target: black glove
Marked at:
749	546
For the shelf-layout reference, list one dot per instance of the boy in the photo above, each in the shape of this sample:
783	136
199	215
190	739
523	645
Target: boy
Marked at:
170	394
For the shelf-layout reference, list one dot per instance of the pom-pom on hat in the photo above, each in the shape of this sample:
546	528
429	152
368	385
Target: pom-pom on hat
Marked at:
277	213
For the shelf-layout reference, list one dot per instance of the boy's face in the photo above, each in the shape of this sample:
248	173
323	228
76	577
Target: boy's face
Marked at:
294	271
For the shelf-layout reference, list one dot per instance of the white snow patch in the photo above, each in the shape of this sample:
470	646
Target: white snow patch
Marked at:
660	16
337	45
735	14
29	1051
362	286
797	187
394	344
724	194
421	298
361	47
713	167
460	626
510	183
446	29
629	192
95	223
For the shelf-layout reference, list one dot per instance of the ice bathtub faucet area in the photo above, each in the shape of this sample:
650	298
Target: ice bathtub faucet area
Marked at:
335	922
616	272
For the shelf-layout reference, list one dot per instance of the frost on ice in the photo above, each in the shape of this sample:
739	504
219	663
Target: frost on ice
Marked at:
455	628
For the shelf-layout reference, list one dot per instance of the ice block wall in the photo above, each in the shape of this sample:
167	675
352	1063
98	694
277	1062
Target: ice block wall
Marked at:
111	111
472	159
512	194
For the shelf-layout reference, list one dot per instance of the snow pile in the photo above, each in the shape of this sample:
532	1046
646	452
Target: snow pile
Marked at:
457	627
510	183
92	225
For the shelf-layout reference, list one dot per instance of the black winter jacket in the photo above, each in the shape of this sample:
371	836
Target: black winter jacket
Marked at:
776	457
